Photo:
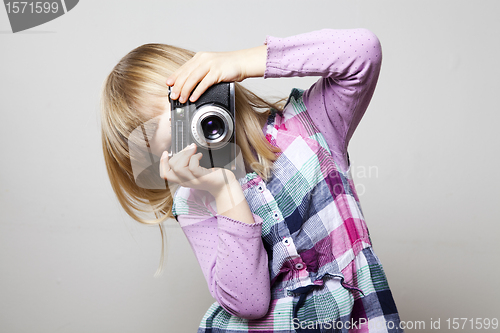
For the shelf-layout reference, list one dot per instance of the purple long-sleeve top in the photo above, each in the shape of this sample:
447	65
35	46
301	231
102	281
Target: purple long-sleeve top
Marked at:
231	253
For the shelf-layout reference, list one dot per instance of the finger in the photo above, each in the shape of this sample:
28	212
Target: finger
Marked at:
179	162
175	89
171	80
178	78
194	165
195	77
205	83
164	166
173	77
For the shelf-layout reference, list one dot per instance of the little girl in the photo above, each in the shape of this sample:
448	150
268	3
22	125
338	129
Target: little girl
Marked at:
284	247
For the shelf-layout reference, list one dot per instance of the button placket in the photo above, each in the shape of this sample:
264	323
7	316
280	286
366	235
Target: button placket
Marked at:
290	247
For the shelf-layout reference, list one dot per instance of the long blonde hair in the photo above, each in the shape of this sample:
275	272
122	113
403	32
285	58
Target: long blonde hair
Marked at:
140	75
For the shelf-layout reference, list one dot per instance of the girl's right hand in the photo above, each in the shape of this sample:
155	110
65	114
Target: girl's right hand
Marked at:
208	68
184	169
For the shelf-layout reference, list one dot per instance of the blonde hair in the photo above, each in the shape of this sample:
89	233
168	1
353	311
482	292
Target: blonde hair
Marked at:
140	75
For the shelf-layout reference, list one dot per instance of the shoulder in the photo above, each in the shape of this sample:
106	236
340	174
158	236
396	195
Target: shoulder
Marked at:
293	106
295	116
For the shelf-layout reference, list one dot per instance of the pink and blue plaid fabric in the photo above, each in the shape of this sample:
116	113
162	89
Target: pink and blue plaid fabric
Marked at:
324	274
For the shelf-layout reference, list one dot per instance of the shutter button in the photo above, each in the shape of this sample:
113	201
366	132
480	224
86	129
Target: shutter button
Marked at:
299	266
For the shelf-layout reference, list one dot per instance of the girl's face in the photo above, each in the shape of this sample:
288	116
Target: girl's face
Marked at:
161	140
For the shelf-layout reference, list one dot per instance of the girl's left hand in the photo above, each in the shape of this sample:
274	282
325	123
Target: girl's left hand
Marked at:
208	68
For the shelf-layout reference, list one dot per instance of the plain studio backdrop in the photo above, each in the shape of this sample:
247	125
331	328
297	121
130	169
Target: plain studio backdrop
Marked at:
425	159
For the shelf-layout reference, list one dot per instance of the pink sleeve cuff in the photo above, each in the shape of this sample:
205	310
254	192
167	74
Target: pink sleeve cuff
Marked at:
234	226
274	58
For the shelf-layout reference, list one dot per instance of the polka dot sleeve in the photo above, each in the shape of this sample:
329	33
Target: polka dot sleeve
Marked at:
233	260
348	62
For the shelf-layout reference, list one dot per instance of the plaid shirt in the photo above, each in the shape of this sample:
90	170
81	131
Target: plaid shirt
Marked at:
310	243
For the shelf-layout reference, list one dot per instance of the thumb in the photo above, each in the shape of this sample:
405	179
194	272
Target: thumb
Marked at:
164	166
194	165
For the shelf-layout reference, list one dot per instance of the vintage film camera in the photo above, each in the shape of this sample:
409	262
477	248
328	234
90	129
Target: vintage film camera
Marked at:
210	124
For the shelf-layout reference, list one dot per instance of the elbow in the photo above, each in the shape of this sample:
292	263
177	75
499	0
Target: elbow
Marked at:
372	49
256	315
253	304
248	310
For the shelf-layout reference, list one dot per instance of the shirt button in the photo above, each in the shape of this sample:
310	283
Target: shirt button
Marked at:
287	241
299	266
276	215
261	188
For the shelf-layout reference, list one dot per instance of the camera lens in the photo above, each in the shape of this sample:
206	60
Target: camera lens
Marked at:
213	127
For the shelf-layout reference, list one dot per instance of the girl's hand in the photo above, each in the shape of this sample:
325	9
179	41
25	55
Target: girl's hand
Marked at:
209	68
184	169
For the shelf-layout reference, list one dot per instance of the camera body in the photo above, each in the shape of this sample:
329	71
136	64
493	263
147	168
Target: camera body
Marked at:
210	124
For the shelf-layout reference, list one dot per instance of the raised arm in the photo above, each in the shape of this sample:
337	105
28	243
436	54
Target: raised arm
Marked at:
348	62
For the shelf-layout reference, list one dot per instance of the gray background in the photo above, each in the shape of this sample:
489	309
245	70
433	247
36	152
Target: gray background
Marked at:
425	160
